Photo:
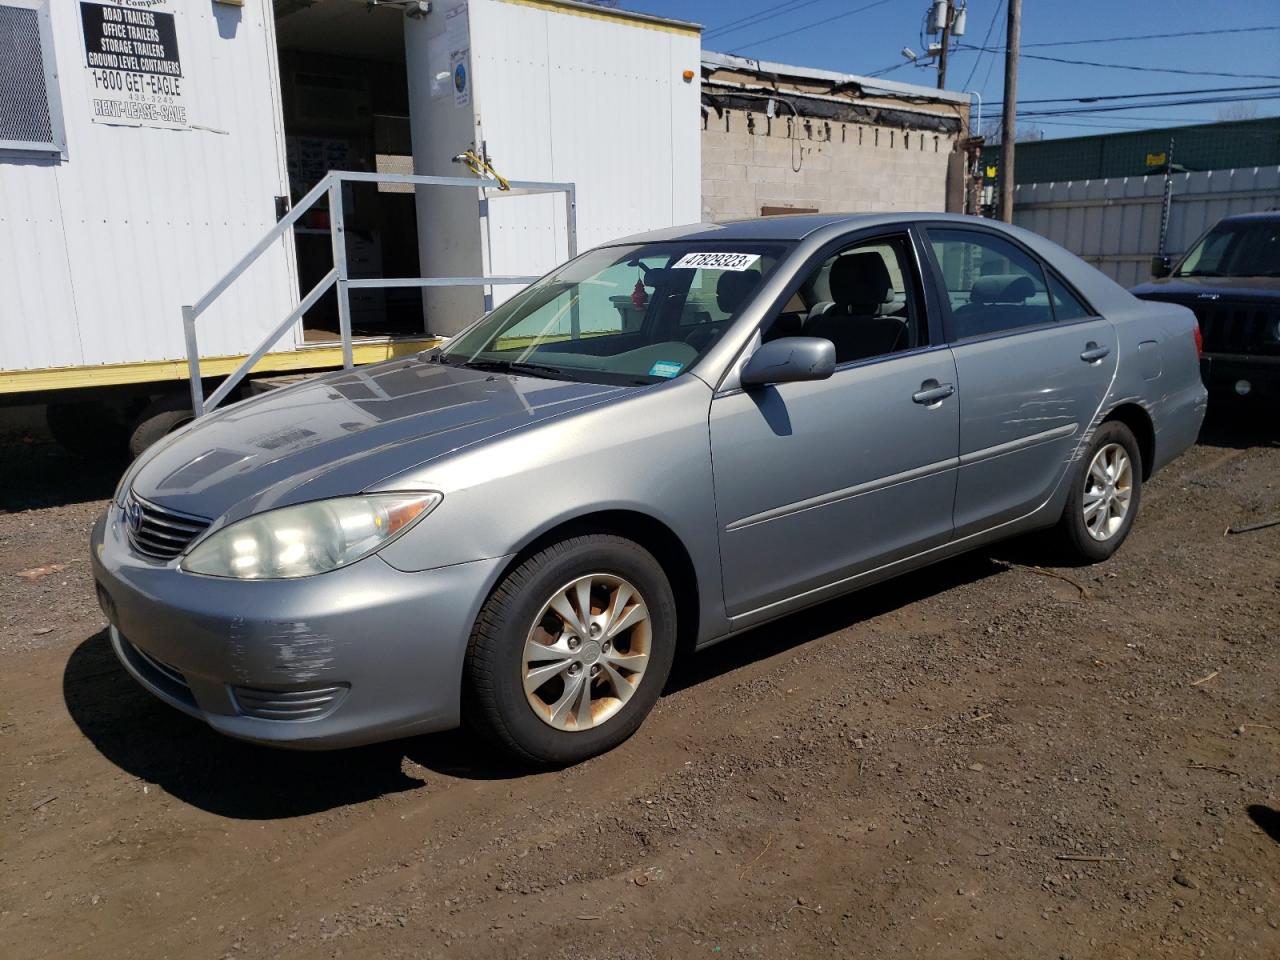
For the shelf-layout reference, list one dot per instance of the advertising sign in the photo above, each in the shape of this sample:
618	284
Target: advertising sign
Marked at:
133	71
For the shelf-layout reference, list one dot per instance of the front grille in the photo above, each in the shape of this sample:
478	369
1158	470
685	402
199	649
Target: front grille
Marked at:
287	704
157	532
1236	327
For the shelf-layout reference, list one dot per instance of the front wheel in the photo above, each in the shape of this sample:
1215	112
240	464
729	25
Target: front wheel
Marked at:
571	650
1104	498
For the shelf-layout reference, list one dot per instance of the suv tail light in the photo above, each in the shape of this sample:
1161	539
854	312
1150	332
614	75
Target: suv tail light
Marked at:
1199	341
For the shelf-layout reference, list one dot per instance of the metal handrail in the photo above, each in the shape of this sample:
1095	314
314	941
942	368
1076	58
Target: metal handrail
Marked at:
331	183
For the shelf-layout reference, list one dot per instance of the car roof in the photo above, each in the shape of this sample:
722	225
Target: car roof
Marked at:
790	227
1273	214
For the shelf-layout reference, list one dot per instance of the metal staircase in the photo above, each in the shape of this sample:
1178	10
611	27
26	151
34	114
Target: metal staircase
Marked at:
331	185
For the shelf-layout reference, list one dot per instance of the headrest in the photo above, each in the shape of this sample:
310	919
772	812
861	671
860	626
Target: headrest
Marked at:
860	279
733	288
1002	288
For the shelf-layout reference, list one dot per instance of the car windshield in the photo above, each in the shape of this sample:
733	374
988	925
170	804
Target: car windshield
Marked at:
626	315
1241	249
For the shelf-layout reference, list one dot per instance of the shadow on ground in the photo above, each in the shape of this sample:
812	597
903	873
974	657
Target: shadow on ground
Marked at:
1239	424
151	740
1267	818
37	473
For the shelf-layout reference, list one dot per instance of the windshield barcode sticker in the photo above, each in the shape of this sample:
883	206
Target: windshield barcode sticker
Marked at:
716	261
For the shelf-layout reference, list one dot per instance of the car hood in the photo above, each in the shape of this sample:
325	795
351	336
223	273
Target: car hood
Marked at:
343	433
1192	289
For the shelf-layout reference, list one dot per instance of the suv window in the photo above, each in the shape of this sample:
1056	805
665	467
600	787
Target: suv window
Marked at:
862	300
1244	248
991	284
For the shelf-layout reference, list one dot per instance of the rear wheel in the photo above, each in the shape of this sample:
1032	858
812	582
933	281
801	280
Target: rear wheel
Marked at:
571	650
1104	498
158	419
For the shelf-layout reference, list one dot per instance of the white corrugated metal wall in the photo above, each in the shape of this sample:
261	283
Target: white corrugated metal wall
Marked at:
596	100
1115	223
98	251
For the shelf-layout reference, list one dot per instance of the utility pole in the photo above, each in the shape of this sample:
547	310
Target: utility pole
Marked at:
1008	124
946	42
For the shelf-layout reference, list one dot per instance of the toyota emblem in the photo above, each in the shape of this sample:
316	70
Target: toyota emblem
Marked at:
133	515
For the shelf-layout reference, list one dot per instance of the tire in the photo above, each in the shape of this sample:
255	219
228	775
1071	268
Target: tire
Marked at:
158	419
87	428
1075	540
549	724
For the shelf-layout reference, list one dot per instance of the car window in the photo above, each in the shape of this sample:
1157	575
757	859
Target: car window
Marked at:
1066	305
630	314
862	299
991	284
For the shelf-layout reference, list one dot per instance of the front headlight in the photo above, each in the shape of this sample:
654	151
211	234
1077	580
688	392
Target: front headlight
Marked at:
309	538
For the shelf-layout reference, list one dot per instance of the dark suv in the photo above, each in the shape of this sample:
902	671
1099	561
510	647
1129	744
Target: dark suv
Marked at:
1230	278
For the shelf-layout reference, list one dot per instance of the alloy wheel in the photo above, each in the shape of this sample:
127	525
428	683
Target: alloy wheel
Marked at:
587	652
1108	491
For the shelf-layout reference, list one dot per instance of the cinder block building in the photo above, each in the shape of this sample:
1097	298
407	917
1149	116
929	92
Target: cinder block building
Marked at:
778	138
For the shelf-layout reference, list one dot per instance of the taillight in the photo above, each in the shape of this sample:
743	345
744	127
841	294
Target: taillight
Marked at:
1199	340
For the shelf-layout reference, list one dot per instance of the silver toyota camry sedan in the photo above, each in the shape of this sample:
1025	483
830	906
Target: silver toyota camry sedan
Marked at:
662	443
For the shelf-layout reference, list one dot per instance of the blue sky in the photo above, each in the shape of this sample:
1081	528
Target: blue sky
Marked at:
871	39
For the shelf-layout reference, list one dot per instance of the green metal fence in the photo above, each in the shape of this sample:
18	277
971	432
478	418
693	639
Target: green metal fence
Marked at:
1209	146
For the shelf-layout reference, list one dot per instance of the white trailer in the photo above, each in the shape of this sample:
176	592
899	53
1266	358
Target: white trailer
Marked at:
147	145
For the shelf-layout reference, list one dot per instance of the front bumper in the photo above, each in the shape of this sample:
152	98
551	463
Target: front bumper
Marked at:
1225	372
356	655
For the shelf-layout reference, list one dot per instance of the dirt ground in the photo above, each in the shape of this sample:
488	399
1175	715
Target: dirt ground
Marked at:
978	760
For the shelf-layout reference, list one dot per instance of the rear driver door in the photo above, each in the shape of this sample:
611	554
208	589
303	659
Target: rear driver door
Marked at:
1034	364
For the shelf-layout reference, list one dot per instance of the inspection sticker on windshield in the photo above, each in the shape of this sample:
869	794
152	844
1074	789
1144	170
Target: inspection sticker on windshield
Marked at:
666	368
716	261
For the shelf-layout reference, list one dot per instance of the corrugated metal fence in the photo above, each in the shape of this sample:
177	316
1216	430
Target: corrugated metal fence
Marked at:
1114	224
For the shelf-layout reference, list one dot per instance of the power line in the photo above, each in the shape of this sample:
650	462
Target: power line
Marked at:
1117	107
986	77
1140	69
1254	88
1131	123
995	15
1148	36
810	26
760	16
889	69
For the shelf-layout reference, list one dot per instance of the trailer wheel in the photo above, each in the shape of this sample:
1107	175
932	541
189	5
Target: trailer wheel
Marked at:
87	428
158	419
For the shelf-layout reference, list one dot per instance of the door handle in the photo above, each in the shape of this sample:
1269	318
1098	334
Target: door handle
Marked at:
932	392
1093	353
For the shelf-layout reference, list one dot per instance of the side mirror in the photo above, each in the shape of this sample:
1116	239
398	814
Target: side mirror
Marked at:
789	359
1161	266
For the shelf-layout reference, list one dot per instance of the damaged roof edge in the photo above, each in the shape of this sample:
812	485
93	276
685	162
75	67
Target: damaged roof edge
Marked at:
869	85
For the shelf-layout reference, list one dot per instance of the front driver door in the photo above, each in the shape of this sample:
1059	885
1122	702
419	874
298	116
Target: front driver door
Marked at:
818	482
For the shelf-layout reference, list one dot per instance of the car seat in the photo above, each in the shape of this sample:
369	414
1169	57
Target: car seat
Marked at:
996	302
855	321
732	290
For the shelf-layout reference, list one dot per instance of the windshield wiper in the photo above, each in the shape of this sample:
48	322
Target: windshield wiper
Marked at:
518	366
1200	273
